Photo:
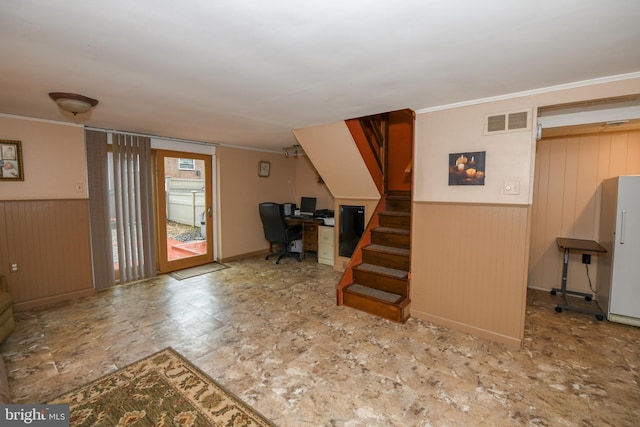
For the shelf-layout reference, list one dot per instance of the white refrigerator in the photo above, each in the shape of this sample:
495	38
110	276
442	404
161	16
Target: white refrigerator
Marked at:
618	291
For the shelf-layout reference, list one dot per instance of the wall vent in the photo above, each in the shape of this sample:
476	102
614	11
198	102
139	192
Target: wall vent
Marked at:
507	122
518	120
497	123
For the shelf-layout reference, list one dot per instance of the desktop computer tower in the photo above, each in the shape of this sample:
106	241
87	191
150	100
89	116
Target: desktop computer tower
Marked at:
288	209
351	229
296	246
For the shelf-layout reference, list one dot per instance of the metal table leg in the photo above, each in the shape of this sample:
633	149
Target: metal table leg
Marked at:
563	289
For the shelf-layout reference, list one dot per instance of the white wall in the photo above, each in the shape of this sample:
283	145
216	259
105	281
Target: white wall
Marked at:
336	157
508	155
54	160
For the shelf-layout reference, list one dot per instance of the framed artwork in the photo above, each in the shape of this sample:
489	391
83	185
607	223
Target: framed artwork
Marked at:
11	168
264	169
467	168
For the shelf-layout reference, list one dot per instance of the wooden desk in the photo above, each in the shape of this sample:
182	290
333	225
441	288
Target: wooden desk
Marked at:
309	232
581	246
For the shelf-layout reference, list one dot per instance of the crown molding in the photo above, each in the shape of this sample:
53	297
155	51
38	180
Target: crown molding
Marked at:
583	83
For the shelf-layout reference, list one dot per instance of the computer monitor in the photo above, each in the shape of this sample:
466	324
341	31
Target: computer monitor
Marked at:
307	205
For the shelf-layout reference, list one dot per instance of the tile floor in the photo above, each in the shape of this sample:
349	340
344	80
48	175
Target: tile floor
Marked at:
273	335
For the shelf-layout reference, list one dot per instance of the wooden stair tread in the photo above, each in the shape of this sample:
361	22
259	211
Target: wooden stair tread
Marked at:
392	230
385	271
388	249
383	296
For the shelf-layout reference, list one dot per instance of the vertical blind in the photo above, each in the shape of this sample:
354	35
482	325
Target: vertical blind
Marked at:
99	217
132	206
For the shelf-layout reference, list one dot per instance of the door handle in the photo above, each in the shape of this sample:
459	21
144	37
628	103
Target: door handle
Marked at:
209	211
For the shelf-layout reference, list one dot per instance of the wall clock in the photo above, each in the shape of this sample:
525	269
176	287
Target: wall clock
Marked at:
264	169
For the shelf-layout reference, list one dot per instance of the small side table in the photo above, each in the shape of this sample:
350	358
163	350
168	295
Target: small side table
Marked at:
577	245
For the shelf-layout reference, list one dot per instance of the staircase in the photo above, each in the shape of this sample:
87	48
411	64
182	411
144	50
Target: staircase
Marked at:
379	281
377	278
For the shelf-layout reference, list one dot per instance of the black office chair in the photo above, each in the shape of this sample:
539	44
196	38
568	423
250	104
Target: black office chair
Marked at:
276	230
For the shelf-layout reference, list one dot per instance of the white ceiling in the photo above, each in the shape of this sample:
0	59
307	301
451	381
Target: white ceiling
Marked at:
247	72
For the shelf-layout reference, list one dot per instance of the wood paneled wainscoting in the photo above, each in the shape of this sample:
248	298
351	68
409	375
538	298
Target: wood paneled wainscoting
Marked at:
50	243
469	267
567	197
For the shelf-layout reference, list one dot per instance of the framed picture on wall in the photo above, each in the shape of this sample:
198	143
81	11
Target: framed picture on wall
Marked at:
467	168
264	169
11	168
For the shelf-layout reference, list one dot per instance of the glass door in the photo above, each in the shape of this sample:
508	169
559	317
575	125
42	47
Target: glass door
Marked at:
184	217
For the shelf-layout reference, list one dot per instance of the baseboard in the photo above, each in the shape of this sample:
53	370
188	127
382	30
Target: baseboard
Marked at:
548	290
240	257
474	330
40	302
627	320
537	288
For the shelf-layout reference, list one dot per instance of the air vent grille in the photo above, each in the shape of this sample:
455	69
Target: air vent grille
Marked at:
496	123
518	120
507	122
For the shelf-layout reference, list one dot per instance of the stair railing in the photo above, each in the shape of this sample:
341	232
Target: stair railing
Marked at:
375	138
409	167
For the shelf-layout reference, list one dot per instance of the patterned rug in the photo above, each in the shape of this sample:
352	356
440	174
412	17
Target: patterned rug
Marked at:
197	271
163	389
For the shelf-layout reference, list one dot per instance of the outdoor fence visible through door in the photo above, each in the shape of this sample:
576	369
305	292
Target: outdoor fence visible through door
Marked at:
183	185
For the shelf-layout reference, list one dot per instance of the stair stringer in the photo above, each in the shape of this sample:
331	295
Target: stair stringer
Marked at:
356	258
397	310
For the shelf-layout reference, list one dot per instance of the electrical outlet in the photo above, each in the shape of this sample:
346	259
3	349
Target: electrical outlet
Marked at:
586	258
14	267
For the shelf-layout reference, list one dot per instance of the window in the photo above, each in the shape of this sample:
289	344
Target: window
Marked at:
187	164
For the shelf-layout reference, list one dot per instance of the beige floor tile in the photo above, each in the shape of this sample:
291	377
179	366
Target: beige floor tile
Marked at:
273	335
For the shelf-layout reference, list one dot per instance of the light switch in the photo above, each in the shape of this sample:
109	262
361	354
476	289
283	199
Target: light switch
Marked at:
511	188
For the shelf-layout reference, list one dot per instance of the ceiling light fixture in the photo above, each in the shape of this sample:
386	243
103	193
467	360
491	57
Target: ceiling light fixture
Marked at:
73	102
292	150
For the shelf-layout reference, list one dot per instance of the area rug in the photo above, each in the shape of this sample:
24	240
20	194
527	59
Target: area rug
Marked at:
163	389
196	271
